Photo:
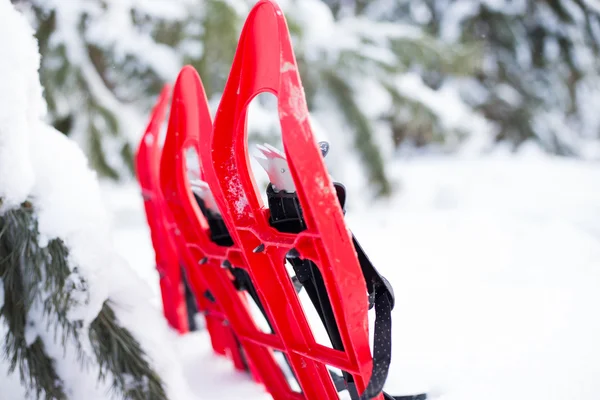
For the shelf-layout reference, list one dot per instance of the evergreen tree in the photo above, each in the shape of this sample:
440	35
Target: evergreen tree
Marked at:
351	67
540	76
104	61
40	285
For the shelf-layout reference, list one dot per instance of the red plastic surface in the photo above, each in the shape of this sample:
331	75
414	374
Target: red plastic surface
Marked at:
167	260
264	62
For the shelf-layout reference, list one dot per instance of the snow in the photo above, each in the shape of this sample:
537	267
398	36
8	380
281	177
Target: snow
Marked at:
110	25
351	33
496	274
115	27
454	14
453	114
21	90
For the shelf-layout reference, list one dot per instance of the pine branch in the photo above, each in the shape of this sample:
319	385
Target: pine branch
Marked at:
36	368
40	278
119	354
413	122
363	139
219	40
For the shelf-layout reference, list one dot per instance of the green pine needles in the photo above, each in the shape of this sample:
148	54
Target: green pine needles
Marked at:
40	287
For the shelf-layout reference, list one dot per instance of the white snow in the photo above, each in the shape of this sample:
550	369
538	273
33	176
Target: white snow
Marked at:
496	277
454	115
21	91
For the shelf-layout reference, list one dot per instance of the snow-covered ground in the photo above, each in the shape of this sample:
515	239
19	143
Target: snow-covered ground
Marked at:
495	264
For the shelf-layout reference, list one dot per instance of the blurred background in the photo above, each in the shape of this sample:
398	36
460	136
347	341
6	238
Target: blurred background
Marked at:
466	131
384	79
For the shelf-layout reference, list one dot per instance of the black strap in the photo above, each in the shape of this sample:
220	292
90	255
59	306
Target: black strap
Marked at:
381	355
218	230
338	381
244	282
209	296
382	293
190	302
242	353
422	396
381	296
379	290
382	346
